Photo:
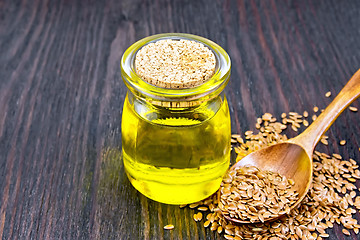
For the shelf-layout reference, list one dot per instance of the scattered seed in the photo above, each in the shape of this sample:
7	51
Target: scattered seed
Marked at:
294	128
193	205
306	123
342	142
353	109
313	117
169	227
324	141
305	114
267	116
346	232
316	109
207	223
202	209
199	216
328	94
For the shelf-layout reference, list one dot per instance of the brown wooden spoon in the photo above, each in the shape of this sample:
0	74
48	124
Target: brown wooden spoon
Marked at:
293	158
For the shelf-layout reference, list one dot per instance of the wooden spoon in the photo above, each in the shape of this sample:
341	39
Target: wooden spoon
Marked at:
293	158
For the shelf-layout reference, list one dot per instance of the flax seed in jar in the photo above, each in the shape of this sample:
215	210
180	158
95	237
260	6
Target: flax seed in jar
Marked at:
175	120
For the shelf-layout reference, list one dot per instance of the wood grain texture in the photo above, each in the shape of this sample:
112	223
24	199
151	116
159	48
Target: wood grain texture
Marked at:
61	96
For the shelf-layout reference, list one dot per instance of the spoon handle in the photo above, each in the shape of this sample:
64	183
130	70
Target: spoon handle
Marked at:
311	136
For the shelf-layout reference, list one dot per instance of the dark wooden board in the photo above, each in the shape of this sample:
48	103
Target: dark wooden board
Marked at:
61	96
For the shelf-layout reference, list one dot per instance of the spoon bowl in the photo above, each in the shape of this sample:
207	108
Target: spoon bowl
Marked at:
293	158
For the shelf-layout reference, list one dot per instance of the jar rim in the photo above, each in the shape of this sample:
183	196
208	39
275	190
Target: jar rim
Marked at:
216	83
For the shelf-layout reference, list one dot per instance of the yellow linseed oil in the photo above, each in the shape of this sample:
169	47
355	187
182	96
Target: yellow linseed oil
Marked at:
176	156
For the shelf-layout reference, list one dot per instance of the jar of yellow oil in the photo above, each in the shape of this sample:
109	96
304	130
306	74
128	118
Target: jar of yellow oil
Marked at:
175	121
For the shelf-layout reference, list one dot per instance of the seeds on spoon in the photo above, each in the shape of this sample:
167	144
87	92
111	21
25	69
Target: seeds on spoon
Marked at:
249	194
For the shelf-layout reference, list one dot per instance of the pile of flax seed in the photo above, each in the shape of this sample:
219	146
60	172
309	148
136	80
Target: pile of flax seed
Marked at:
332	198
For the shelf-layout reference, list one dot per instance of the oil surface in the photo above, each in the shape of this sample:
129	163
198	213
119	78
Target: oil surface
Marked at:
176	158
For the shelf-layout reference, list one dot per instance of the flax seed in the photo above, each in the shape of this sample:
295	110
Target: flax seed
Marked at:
306	123
169	227
193	205
346	232
203	209
353	109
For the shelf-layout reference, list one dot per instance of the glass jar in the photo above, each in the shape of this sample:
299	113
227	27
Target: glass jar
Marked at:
176	142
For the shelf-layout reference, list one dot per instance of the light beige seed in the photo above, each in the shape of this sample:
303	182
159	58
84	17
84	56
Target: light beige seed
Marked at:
169	227
203	209
298	232
267	116
346	232
305	114
199	216
306	123
352	180
328	94
207	223
316	109
294	128
324	141
342	142
353	109
193	205
228	237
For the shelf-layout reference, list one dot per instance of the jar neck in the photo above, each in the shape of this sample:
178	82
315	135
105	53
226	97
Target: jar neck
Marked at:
199	113
178	101
176	98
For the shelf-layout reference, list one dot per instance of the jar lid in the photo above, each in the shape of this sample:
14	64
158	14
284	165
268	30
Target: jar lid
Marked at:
171	63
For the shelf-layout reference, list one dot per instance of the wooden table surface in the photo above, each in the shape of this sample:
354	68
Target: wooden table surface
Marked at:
61	97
